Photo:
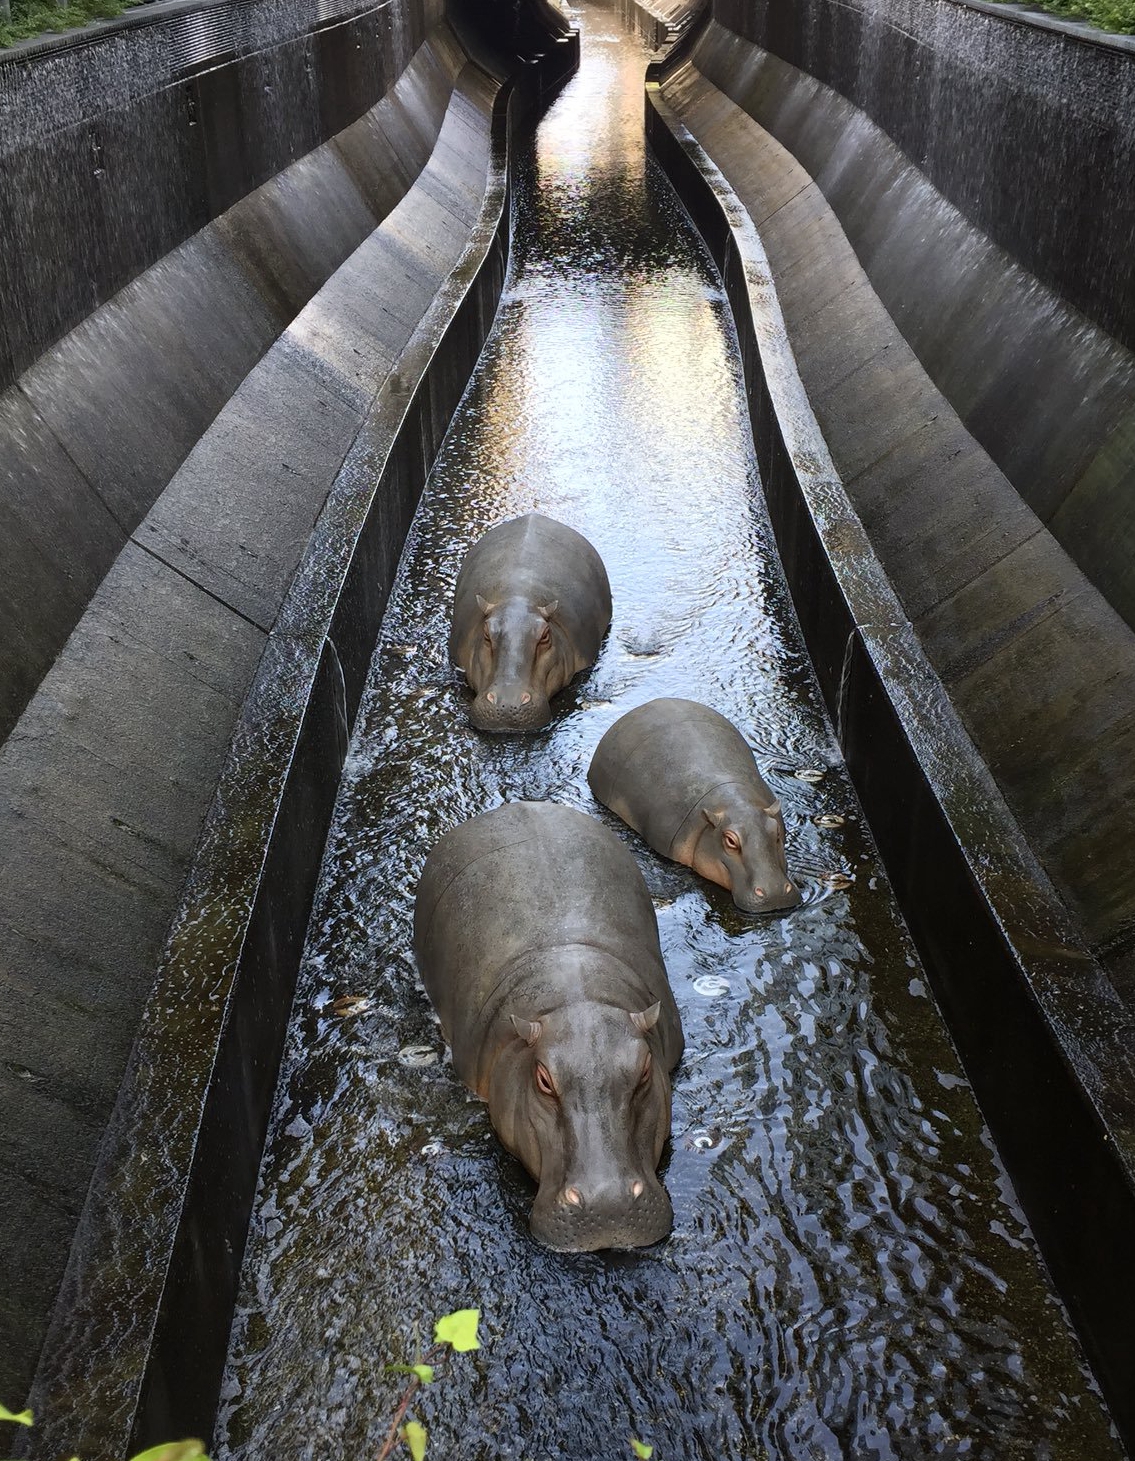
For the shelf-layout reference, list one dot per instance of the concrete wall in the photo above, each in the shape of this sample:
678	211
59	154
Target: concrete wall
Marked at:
956	391
977	171
107	776
841	414
111	166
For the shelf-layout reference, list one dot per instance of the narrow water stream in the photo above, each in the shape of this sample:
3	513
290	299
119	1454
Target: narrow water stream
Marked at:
848	1274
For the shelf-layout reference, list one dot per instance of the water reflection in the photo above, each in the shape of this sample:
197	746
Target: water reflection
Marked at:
846	1276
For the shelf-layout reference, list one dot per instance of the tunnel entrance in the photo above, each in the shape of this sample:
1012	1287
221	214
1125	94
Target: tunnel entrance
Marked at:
848	1272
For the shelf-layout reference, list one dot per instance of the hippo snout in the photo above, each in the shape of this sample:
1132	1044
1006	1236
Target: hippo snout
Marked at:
503	710
778	897
629	1213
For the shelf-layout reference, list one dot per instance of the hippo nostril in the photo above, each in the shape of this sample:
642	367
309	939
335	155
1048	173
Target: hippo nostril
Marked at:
526	699
638	1187
574	1196
759	892
788	887
490	696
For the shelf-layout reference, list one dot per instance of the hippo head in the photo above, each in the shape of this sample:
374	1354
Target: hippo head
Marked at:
520	659
743	850
583	1099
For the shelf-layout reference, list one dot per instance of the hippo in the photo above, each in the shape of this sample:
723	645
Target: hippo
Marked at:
683	777
530	610
538	945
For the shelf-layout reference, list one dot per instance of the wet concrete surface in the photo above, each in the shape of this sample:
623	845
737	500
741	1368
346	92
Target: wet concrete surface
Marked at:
849	1274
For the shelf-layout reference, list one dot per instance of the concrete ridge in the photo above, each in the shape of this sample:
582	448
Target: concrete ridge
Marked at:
107	778
1045	1038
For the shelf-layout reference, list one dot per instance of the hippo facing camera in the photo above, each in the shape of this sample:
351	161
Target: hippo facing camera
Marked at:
530	610
537	943
684	778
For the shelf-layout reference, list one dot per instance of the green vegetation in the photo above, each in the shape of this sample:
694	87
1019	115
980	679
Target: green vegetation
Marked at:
171	1451
454	1333
34	17
1113	15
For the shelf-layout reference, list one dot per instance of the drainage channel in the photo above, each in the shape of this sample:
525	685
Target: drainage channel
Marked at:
848	1274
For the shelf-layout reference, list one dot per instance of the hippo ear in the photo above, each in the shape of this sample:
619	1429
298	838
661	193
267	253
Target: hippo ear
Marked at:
486	607
528	1030
548	609
772	810
646	1019
713	818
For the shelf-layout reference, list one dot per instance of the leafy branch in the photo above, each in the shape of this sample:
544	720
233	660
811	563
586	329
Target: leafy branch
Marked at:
456	1332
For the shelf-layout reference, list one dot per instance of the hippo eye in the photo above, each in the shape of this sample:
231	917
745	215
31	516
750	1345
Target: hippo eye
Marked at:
487	636
544	1082
545	638
647	1068
731	841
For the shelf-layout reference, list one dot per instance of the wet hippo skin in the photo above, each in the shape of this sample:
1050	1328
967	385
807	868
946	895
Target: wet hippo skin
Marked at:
538	945
530	609
684	778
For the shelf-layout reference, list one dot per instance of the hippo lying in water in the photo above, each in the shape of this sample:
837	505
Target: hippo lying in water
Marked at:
683	777
537	943
530	610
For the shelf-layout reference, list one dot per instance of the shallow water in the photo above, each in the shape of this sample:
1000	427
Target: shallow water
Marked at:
848	1274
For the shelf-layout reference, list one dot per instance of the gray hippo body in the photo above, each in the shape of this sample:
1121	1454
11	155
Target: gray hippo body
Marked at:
683	777
531	606
538	945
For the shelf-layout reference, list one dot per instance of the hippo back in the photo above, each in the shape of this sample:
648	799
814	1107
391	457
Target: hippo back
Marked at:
658	762
540	560
533	904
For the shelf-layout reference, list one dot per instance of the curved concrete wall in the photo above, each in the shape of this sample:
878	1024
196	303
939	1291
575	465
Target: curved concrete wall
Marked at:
1028	130
1049	394
109	772
1040	666
94	429
1046	1040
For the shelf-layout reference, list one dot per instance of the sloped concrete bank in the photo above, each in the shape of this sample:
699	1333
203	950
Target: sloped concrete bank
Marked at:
111	770
171	212
1046	1039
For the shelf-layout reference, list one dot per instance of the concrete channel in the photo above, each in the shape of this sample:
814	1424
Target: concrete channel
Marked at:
855	1266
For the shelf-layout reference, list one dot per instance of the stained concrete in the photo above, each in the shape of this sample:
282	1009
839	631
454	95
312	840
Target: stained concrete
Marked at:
108	774
1040	665
1045	1038
1049	394
125	396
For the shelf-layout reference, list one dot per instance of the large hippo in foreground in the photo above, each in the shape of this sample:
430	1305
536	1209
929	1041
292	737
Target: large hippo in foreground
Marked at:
683	777
530	610
537	943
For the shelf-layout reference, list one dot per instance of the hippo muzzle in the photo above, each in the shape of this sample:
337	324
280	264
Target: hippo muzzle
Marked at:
507	709
581	1217
766	892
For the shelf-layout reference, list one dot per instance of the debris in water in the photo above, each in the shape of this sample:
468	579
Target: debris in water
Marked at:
837	881
350	1004
829	819
712	986
810	774
418	1055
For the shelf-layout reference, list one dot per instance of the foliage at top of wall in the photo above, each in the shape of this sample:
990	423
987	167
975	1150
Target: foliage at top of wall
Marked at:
1114	15
35	17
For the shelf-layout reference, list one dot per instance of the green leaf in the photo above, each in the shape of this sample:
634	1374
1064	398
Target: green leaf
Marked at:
416	1439
174	1451
458	1329
425	1373
24	1417
641	1449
